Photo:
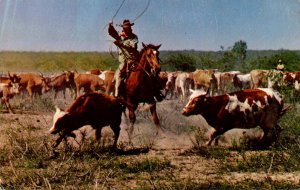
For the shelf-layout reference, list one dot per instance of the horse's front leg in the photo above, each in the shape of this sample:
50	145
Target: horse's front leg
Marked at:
155	118
132	118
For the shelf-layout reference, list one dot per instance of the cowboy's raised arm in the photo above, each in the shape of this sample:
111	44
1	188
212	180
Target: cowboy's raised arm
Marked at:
112	31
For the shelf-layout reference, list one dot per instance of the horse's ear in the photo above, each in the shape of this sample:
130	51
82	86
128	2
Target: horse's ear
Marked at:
143	44
157	47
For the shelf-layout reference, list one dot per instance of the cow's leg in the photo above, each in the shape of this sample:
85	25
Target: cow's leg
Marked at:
29	90
7	105
77	94
155	118
116	129
215	135
58	141
271	134
55	94
64	93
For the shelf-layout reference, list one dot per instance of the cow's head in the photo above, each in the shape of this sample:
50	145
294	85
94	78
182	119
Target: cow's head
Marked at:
14	88
196	101
14	78
45	85
58	121
69	76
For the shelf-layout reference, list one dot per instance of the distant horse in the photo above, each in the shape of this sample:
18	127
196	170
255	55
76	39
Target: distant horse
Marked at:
141	84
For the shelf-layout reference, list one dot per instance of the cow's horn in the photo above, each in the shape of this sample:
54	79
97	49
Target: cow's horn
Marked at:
57	108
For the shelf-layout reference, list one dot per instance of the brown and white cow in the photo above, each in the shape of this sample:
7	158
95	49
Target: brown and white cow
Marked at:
94	72
292	79
242	109
7	91
95	109
89	82
33	83
109	82
242	81
167	82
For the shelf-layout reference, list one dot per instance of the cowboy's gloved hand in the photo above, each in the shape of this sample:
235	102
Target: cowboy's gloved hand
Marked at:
118	43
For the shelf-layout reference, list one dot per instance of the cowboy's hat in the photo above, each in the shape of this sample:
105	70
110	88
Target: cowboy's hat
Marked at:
127	23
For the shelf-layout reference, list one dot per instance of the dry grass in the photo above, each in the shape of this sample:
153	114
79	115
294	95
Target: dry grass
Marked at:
175	160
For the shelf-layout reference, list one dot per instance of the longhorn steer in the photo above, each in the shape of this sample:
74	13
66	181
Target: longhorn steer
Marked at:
95	109
243	109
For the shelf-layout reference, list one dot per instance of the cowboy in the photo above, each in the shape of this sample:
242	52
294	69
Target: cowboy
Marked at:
126	42
280	66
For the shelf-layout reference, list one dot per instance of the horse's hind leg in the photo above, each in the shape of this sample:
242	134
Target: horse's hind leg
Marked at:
155	118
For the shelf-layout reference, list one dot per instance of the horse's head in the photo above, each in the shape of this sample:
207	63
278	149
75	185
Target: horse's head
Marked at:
150	55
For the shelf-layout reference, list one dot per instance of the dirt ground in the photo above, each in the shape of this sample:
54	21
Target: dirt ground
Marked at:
174	145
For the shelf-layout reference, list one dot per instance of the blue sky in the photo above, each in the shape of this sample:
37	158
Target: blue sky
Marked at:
79	25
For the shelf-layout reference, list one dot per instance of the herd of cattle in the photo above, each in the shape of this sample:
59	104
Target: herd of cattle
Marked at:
225	99
175	84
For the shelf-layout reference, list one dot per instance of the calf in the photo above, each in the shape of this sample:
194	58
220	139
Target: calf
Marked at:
242	109
95	109
7	91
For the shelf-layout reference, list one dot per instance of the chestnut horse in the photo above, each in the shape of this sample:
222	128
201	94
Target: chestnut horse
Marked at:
140	84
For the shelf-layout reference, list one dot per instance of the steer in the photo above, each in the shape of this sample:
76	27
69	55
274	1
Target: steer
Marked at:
89	82
242	109
61	82
33	83
95	109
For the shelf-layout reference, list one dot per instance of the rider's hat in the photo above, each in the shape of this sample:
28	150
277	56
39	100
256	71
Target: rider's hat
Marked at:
127	23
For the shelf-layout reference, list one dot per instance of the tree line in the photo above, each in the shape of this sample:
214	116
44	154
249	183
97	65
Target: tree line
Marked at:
236	57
